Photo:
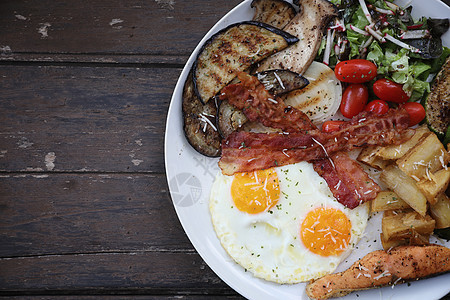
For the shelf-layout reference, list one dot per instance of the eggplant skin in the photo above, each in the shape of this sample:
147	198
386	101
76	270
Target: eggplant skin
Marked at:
203	137
279	82
229	118
277	13
234	49
437	105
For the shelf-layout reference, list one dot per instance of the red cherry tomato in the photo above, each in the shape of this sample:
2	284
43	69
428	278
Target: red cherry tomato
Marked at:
379	107
389	90
330	126
416	112
355	71
354	100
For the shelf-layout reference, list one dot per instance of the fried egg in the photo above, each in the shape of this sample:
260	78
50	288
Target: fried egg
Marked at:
283	224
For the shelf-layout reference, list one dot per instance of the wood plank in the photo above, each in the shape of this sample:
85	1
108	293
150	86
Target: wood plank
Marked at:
107	26
220	295
136	273
87	118
47	214
92	59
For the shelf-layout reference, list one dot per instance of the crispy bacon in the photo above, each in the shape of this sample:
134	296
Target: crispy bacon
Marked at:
247	151
258	104
302	141
347	180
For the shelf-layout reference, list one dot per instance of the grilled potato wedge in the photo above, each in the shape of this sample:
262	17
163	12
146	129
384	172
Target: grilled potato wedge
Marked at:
397	151
428	156
369	156
234	49
441	211
403	225
405	187
277	13
199	122
387	200
436	186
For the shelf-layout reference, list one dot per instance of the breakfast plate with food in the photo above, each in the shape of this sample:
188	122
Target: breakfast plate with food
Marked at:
307	149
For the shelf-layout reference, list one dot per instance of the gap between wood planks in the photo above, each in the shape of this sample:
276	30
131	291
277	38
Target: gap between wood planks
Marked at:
103	59
93	64
107	252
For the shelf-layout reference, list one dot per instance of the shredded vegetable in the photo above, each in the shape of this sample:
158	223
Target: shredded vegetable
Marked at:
405	51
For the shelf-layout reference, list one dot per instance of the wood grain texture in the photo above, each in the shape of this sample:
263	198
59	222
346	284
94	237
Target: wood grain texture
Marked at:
136	272
97	119
84	204
169	28
87	213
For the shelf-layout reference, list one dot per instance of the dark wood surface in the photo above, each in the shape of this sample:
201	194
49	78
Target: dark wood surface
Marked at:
84	204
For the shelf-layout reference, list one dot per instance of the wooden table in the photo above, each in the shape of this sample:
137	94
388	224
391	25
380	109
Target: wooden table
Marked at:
84	204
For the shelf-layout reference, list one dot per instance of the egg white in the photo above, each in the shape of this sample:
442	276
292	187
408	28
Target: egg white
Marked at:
268	244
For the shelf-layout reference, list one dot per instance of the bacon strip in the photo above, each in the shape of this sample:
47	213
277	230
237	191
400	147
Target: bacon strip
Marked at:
259	105
348	182
247	151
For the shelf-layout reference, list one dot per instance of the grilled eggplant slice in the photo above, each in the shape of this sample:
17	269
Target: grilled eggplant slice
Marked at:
437	105
277	13
229	118
277	82
199	122
308	25
234	49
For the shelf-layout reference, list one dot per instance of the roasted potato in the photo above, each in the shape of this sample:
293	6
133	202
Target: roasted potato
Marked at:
428	156
441	211
405	225
387	200
436	186
370	157
405	187
392	243
393	152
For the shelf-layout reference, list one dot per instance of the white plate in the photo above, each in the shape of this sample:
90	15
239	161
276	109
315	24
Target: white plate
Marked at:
190	176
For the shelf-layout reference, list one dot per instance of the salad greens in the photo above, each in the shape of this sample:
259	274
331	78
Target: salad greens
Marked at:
406	51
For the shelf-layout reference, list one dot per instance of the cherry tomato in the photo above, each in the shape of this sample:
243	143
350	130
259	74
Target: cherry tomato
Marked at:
355	71
389	90
354	100
416	112
330	126
379	107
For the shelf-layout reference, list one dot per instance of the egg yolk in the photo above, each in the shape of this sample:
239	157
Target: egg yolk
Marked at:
326	231
255	192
